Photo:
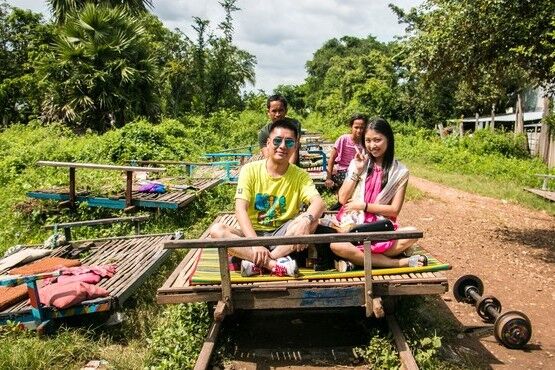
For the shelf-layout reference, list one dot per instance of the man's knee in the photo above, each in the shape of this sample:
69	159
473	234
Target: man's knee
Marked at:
218	231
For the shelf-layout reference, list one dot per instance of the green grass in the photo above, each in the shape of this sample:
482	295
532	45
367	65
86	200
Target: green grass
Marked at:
509	191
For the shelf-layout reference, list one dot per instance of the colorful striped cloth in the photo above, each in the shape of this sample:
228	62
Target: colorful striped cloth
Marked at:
208	270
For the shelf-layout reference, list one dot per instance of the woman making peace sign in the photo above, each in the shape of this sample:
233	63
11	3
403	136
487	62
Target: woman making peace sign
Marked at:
374	189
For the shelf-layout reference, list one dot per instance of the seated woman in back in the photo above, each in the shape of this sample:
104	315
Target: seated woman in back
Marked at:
344	150
374	188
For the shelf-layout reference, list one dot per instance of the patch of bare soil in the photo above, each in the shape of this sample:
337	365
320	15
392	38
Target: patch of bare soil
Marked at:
511	248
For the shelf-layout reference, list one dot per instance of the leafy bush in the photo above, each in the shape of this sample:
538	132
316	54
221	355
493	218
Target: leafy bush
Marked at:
380	352
176	342
498	156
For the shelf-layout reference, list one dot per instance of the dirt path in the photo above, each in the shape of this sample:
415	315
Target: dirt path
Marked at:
511	248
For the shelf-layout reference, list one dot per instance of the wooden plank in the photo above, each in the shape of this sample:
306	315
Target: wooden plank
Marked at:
549	195
97	166
188	269
299	239
102	221
407	359
72	196
226	279
208	346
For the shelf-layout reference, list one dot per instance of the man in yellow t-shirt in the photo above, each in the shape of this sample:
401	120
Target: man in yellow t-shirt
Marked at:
268	198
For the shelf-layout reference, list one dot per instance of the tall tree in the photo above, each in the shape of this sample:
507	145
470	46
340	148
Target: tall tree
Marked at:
23	40
492	48
349	75
62	8
101	72
229	68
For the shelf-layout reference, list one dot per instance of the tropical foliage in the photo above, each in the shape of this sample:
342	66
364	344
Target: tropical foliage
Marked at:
101	71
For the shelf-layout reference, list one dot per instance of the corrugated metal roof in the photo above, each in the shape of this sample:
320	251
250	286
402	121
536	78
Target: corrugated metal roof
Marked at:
528	116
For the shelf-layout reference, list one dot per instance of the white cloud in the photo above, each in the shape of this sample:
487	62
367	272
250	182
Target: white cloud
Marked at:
282	34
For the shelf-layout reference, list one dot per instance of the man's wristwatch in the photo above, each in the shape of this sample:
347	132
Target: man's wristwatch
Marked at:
309	217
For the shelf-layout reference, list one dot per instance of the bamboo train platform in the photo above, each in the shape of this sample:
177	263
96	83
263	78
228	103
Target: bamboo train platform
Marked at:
180	191
136	258
181	288
544	191
314	155
326	290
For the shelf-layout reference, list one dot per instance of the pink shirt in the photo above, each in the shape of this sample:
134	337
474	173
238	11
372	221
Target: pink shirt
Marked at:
345	147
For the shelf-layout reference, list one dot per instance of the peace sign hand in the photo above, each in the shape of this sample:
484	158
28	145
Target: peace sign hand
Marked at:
361	159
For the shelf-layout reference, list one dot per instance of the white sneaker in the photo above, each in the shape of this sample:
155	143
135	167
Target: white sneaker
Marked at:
249	269
285	266
344	266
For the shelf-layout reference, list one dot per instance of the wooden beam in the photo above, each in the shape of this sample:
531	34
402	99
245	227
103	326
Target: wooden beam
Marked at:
226	279
101	221
129	189
72	197
368	298
407	359
299	239
208	346
95	166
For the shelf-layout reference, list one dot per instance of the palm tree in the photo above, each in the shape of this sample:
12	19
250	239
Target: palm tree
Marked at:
61	8
102	72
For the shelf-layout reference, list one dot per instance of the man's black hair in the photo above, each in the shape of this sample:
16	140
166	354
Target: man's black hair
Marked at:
358	116
276	97
285	123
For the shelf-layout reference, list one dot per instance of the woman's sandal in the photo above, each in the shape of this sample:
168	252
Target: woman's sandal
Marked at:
414	260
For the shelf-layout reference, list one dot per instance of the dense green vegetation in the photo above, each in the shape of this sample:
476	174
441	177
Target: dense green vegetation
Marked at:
106	82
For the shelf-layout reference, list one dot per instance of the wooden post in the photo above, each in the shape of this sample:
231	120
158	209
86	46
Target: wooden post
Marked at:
492	122
477	122
72	197
129	191
226	279
368	298
461	125
67	233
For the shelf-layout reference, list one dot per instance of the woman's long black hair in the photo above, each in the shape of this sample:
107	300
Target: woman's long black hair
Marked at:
381	126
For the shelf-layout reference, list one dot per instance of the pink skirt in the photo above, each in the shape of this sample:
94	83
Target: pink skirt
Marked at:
378	247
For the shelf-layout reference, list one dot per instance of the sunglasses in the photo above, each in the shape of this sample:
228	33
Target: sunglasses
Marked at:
289	142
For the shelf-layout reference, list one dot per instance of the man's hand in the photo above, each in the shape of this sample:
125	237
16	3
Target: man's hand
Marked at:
261	256
329	183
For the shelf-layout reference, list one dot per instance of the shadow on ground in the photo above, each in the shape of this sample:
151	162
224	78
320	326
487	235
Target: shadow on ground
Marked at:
542	239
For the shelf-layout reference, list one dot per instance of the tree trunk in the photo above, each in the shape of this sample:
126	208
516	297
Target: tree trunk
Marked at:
545	133
519	122
492	122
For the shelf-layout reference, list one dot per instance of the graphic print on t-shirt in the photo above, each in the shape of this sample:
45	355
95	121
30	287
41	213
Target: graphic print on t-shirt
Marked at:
269	208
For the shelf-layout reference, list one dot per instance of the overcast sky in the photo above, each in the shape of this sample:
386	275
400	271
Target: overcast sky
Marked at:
282	34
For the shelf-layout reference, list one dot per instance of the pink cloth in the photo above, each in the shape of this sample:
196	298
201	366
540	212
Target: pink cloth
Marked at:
345	147
66	295
75	285
86	274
